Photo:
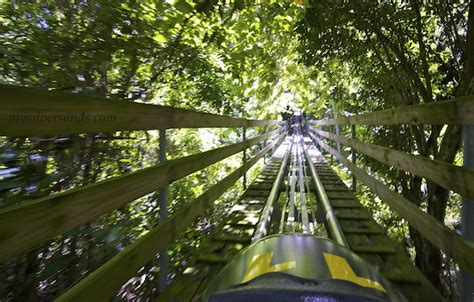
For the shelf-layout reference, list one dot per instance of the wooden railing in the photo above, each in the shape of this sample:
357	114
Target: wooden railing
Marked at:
459	111
458	179
25	111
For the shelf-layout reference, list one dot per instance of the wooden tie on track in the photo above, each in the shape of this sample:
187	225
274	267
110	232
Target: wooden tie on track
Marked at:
368	240
227	239
365	237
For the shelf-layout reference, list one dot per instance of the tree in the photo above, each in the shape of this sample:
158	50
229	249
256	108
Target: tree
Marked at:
401	53
213	56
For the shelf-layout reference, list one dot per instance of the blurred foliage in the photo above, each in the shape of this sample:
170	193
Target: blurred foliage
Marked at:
227	57
243	58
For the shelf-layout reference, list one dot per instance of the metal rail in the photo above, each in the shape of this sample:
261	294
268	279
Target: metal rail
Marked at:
301	177
331	219
262	227
290	221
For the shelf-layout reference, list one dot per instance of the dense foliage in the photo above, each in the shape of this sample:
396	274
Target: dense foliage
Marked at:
241	58
228	58
386	54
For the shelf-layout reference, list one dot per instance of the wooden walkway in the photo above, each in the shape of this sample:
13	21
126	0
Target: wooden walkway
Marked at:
227	239
368	240
365	237
36	222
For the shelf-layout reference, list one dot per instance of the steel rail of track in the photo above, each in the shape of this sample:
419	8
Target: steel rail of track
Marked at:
331	219
302	194
262	227
290	221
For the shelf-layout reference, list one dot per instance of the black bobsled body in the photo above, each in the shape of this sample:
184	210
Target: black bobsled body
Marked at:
297	267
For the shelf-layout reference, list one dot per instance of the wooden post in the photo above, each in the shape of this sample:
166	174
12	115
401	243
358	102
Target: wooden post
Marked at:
467	213
163	200
331	143
103	284
313	135
354	180
433	230
264	145
244	158
449	176
337	133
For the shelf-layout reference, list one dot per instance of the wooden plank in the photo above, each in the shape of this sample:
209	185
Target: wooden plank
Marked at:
332	180
374	249
212	258
323	168
406	277
239	218
435	231
326	172
264	175
328	182
340	195
459	111
350	230
101	284
233	248
373	244
247	208
24	226
355	215
253	193
344	203
253	200
183	288
260	186
211	246
358	223
374	260
322	164
264	181
365	224
29	111
228	231
328	176
267	176
398	268
402	277
409	280
449	176
204	284
222	248
418	292
233	238
394	267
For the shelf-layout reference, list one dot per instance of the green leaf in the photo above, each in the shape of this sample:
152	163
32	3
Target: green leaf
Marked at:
159	38
125	6
183	7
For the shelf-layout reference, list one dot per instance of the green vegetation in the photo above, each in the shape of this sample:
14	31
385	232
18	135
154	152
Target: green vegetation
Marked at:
241	58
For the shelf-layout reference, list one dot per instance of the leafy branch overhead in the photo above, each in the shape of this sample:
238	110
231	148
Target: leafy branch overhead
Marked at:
242	58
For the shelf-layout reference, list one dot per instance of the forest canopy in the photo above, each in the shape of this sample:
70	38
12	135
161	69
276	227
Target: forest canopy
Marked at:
243	58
